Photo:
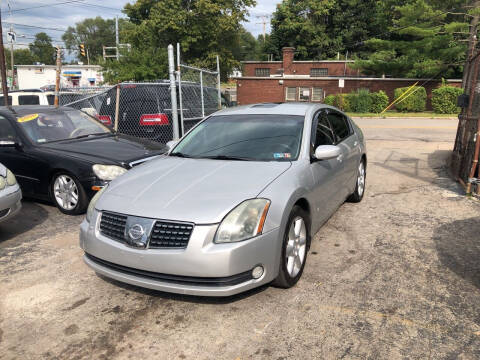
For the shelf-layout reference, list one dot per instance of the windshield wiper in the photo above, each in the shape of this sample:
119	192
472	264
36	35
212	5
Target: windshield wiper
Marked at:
226	157
179	154
88	135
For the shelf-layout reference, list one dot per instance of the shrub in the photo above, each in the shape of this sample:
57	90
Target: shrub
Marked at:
360	101
444	99
415	102
330	100
379	101
343	102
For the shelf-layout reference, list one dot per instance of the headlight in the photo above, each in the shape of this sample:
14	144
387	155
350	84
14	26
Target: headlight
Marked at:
3	182
93	202
11	178
108	172
243	222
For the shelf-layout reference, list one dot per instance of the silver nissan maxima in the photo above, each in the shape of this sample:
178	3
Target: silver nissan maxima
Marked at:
232	206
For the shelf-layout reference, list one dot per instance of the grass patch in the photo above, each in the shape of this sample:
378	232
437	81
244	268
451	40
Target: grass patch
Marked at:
396	114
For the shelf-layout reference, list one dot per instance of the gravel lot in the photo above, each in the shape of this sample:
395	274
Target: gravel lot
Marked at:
394	277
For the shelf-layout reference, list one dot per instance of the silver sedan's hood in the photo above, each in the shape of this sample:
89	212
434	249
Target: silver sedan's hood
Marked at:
196	190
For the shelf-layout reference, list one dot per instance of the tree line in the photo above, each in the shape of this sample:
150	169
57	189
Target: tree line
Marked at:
396	38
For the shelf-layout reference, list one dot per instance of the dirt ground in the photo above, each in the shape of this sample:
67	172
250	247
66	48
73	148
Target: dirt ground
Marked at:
394	277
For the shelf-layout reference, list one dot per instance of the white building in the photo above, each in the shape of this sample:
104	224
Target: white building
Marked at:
36	76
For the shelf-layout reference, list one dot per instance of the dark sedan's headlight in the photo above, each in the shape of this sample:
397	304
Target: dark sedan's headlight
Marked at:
108	172
243	222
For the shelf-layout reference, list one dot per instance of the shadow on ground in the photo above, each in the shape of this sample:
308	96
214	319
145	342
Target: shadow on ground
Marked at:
186	298
31	215
458	247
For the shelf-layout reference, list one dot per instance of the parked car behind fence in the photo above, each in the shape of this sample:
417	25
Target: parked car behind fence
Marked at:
145	109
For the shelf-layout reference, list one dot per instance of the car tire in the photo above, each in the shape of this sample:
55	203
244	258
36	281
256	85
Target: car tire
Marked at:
68	194
357	195
294	248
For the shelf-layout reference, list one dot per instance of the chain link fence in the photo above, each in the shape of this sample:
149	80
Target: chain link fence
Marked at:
198	94
144	109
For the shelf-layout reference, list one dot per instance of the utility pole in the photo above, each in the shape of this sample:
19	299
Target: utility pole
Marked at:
472	40
12	35
57	79
465	156
117	42
264	22
3	70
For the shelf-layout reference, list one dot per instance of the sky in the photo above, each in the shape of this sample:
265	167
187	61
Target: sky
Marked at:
57	15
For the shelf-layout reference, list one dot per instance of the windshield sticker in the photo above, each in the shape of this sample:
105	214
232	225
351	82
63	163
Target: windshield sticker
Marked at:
27	118
282	155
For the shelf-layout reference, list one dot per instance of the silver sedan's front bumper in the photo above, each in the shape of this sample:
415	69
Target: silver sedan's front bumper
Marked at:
203	268
10	202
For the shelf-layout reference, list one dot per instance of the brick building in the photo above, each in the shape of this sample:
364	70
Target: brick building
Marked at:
290	80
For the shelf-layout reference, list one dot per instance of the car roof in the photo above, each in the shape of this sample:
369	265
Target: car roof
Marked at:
29	109
290	108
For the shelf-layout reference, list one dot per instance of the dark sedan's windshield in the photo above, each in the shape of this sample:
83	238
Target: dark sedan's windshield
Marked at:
59	125
244	137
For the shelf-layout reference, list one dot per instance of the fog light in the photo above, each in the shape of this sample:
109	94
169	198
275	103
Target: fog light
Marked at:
257	272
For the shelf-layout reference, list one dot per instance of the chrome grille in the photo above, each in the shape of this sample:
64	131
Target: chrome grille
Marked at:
112	225
166	234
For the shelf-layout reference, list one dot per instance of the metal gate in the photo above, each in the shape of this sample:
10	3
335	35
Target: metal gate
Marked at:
199	93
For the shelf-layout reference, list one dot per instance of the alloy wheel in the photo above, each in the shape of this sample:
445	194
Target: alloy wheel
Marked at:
361	179
66	192
296	247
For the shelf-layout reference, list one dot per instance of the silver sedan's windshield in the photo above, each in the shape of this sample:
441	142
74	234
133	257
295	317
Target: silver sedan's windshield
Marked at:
59	125
244	137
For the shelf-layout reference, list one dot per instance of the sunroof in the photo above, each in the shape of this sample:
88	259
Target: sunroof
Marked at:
269	105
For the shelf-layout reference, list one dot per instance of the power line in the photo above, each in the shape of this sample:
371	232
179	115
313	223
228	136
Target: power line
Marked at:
47	5
36	26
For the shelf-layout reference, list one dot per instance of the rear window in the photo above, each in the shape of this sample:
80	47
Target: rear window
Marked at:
9	101
28	100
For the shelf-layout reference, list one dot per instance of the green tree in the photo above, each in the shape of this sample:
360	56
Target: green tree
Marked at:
20	57
424	39
204	29
42	49
94	33
304	24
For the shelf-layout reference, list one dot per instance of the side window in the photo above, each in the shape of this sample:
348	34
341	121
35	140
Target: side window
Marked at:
322	133
339	125
9	100
28	100
6	129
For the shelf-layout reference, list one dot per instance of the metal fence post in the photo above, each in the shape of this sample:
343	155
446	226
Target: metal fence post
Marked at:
201	94
117	108
173	92
179	77
218	84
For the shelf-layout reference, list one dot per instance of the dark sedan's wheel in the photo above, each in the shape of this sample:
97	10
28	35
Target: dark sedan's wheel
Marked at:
295	248
357	195
68	194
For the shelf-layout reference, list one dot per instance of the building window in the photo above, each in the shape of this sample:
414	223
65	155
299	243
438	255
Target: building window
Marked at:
317	94
290	94
316	72
304	94
262	72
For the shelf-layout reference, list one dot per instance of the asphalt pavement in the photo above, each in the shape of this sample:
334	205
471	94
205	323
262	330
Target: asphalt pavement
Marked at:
394	277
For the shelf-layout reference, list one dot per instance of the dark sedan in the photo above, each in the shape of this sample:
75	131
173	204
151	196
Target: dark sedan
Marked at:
64	155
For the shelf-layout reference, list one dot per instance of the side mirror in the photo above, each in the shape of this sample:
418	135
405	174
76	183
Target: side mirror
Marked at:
327	152
8	143
171	144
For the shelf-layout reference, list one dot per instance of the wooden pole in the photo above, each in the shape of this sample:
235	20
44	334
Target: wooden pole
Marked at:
3	68
57	79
